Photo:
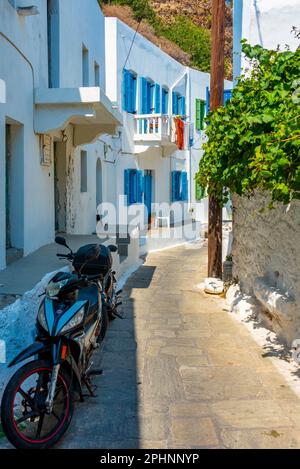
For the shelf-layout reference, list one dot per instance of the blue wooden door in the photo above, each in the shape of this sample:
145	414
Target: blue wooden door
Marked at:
148	195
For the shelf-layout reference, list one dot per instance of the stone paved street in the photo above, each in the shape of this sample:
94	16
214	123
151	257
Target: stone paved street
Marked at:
179	372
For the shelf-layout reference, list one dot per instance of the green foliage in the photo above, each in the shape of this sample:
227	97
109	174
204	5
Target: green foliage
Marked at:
192	39
142	9
254	142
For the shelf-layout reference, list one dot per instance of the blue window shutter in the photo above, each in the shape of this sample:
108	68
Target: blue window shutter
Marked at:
127	185
183	106
184	186
129	92
134	80
157	98
165	101
140	186
207	100
173	186
143	95
227	96
174	104
178	185
133	187
124	95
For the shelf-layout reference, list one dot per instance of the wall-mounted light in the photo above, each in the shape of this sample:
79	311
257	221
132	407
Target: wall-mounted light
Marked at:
28	11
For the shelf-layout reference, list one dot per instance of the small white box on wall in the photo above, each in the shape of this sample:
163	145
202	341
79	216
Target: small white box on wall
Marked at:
45	150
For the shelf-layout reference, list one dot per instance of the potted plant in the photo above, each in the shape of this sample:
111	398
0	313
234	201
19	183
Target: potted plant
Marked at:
227	268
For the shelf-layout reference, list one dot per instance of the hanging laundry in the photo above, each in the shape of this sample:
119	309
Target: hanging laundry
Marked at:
180	133
186	136
173	130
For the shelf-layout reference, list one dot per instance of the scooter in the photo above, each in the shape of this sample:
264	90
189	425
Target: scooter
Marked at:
38	402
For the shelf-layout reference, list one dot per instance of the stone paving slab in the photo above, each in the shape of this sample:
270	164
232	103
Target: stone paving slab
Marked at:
179	372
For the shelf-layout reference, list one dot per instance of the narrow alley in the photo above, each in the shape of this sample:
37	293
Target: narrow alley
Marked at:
179	372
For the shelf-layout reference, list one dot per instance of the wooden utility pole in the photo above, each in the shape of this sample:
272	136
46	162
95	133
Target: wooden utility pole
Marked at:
216	100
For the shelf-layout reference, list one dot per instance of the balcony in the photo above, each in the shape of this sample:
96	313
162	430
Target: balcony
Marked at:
154	130
88	109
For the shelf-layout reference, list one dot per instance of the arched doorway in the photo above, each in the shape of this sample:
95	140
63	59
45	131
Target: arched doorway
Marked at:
98	183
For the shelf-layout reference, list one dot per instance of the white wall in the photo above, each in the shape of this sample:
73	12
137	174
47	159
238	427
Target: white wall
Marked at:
265	22
23	66
81	23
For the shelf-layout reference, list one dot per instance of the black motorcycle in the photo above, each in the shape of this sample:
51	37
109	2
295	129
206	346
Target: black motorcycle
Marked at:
38	402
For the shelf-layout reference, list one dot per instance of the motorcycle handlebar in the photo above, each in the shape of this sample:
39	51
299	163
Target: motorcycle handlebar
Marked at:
65	256
94	277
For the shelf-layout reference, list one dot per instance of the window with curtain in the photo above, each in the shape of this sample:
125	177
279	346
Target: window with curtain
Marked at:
129	91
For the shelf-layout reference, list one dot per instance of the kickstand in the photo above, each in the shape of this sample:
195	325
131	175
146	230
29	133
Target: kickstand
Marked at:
120	315
90	387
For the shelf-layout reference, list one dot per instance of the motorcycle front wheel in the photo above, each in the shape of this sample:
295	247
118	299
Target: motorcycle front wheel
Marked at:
24	419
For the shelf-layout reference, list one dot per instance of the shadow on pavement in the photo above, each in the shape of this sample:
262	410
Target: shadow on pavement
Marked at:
111	420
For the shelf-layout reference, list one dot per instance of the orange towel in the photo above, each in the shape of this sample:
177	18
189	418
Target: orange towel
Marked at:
180	133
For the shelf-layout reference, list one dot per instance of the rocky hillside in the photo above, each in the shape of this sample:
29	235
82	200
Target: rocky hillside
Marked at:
180	28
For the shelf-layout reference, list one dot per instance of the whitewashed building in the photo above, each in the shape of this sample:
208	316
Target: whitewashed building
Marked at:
53	102
87	116
151	88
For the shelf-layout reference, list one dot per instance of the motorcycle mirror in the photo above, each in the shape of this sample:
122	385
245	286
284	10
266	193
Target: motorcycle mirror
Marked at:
113	248
62	242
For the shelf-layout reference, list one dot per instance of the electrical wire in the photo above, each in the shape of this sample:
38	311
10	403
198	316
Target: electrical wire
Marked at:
131	46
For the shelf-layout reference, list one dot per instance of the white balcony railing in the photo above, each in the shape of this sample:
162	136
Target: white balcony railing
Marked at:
154	128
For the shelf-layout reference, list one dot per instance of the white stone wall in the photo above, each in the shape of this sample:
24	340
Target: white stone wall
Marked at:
266	255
